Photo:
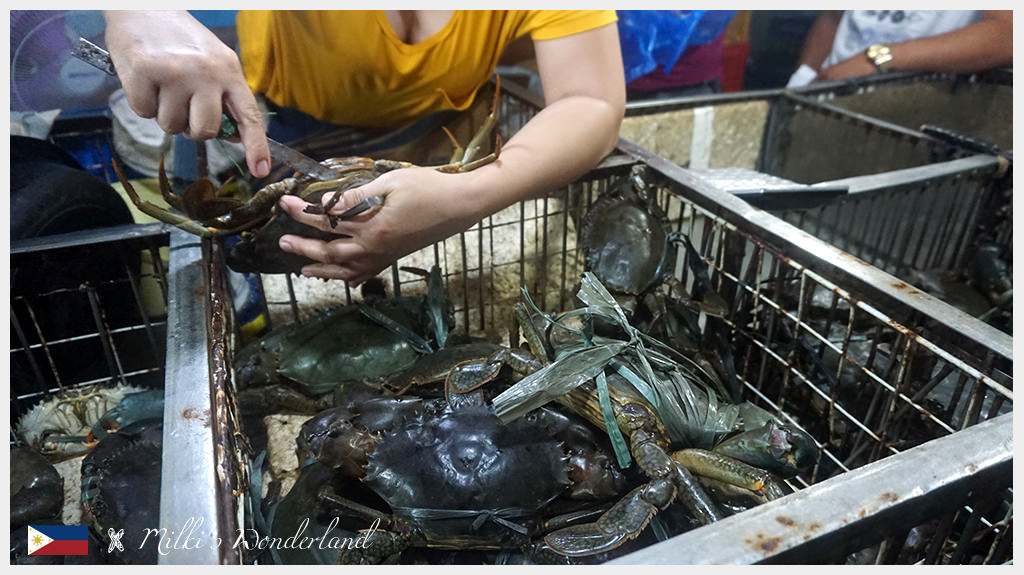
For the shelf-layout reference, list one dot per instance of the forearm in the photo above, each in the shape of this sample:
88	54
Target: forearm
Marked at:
986	44
819	39
557	146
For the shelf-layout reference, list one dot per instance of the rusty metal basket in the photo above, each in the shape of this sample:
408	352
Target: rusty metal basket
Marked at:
909	399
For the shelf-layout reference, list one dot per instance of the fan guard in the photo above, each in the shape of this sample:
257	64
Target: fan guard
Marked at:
44	74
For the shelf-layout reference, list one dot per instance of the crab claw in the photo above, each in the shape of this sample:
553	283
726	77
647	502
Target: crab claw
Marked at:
583	540
375	548
622	522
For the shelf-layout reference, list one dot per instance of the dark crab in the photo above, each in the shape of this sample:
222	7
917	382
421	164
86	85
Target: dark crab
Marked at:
37	489
121	488
629	245
207	213
456	477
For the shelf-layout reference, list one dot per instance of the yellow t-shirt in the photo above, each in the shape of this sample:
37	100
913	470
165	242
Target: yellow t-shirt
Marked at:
350	68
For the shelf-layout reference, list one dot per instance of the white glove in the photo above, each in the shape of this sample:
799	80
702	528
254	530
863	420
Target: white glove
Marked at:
804	75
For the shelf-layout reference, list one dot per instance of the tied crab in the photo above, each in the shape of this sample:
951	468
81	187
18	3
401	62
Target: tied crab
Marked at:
451	475
205	212
629	245
662	410
67	424
121	488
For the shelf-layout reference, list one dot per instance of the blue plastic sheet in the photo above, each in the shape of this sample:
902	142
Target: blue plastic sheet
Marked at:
653	39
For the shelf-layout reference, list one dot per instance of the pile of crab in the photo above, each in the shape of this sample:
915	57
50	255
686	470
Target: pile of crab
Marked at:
89	454
588	434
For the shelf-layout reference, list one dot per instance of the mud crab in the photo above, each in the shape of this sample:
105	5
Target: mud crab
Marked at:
296	366
629	245
121	488
652	405
207	213
452	476
37	489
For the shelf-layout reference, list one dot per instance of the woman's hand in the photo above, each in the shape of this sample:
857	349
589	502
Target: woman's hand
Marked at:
174	69
421	206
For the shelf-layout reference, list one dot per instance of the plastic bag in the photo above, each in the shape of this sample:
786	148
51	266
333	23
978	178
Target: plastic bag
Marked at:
657	38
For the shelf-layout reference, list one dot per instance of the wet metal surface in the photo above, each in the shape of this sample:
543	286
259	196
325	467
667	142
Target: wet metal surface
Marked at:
188	496
840	515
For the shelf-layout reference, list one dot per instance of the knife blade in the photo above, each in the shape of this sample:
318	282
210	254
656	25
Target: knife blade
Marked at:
99	58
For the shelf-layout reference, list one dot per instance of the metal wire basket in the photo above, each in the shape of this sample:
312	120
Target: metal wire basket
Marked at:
913	204
877	374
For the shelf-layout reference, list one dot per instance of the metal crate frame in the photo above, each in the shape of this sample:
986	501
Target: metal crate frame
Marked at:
844	94
38	347
917	345
956	198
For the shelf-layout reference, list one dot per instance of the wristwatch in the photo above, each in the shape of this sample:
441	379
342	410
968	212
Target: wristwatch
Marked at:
880	56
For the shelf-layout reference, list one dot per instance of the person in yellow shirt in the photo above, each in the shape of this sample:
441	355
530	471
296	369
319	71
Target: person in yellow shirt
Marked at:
382	69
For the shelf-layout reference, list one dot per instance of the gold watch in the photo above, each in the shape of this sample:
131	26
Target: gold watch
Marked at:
880	55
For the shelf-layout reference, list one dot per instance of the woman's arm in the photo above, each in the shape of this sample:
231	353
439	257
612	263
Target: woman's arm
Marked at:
985	44
174	69
584	88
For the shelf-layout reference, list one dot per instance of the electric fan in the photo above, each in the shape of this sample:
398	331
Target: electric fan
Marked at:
44	75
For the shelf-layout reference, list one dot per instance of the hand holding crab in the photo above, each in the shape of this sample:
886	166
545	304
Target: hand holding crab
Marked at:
420	206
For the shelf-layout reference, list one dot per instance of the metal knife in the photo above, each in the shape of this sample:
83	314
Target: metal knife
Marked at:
95	56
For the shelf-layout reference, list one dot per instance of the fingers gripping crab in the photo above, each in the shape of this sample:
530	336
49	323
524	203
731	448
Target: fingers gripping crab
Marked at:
205	212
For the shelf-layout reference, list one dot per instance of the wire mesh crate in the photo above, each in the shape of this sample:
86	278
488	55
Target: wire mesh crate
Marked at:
79	320
914	205
873	372
89	324
979	106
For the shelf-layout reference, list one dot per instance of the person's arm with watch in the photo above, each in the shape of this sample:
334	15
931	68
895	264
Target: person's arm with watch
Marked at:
985	44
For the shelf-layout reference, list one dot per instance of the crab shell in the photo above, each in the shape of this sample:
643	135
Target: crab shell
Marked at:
466	459
121	488
625	241
37	489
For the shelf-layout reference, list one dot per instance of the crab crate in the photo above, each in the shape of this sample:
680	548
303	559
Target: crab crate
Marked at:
908	399
88	324
912	204
978	107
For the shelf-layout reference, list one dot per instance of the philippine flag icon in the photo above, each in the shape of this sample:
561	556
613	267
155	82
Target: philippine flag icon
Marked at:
58	540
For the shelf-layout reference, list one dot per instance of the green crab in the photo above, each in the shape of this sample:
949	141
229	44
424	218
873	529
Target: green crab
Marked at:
298	367
661	410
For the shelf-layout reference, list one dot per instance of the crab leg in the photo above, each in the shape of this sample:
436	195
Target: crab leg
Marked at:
729	470
473	149
163	214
